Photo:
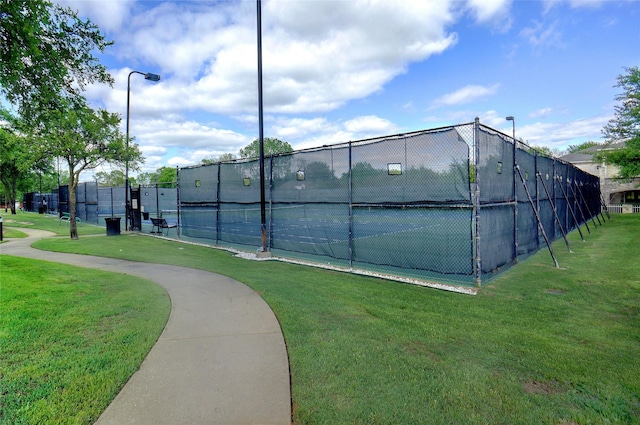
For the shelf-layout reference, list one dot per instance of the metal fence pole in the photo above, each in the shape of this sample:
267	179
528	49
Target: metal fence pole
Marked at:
350	208
270	229
178	227
515	201
218	205
476	203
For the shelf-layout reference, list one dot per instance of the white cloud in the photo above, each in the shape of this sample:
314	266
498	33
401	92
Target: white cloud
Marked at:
370	125
108	15
543	112
466	94
308	133
298	128
560	135
495	12
316	55
540	35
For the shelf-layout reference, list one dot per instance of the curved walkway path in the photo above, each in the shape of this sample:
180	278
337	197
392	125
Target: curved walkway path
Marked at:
221	358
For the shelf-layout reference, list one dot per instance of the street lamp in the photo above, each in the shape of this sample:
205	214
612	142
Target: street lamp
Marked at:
147	76
513	126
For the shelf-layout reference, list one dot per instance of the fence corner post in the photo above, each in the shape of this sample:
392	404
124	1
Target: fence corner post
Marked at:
477	263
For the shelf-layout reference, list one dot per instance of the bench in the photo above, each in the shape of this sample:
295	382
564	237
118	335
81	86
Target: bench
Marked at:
161	223
66	217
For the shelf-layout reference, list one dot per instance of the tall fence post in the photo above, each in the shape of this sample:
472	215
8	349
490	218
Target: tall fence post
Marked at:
218	204
515	202
270	230
535	171
476	203
350	208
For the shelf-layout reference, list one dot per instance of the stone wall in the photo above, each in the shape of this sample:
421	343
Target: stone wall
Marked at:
611	187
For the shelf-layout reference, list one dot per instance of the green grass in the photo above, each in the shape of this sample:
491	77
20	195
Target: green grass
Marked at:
48	222
8	232
70	338
537	345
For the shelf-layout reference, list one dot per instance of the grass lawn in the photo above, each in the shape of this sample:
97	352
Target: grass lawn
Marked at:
48	222
537	345
70	338
8	232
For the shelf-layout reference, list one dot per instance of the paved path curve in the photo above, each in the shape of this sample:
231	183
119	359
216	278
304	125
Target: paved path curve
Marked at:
221	358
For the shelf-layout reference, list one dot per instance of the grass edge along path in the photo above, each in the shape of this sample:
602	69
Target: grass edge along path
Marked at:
536	345
71	338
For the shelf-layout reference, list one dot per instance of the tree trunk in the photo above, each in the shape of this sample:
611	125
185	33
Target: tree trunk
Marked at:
73	185
10	192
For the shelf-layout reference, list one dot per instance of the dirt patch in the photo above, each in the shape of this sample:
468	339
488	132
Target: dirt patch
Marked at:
542	387
24	223
416	348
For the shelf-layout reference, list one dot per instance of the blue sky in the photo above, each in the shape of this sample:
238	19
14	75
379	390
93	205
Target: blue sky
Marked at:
342	70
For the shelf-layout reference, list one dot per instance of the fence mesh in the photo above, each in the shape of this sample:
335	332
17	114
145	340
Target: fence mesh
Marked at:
437	203
445	204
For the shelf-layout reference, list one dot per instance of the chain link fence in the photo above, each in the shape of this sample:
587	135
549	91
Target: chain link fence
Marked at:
444	204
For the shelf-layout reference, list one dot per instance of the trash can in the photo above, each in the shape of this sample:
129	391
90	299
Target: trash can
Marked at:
145	216
40	210
113	226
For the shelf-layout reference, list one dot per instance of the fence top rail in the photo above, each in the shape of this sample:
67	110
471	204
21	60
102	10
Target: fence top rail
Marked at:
338	145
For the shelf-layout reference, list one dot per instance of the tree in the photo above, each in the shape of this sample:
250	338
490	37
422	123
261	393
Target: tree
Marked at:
166	175
625	126
271	146
219	158
85	139
16	160
46	55
581	146
112	178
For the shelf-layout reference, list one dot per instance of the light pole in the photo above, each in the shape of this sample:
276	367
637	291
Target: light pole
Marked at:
513	127
147	76
515	190
263	214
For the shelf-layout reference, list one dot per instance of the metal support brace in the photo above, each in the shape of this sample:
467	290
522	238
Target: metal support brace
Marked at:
585	220
566	198
535	212
584	201
555	213
604	206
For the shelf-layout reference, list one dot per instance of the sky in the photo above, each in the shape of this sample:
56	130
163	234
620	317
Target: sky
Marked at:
341	70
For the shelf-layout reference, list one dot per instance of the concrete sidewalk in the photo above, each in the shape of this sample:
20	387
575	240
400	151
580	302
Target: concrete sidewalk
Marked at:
221	358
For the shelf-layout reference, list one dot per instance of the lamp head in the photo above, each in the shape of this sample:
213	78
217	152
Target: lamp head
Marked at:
510	118
152	77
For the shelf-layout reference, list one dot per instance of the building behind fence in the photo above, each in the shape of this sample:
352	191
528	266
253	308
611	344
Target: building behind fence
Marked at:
445	204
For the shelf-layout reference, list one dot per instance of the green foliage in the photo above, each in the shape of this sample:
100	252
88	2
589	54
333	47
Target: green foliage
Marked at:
581	146
271	146
112	178
625	126
219	158
15	162
164	175
85	139
46	55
